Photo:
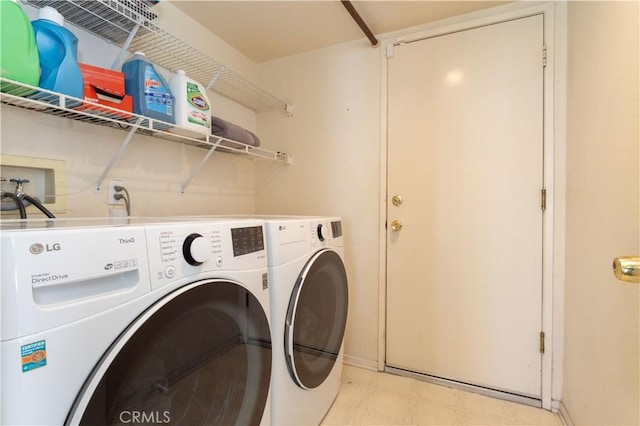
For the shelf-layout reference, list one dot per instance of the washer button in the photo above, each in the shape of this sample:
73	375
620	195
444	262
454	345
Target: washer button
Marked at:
170	271
219	260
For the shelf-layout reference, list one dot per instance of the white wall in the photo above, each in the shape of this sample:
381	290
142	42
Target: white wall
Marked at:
334	137
602	315
152	170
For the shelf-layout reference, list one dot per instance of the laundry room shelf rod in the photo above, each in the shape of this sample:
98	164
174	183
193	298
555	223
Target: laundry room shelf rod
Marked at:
36	99
115	20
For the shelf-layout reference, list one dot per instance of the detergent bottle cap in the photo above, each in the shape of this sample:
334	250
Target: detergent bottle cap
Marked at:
50	14
138	53
181	72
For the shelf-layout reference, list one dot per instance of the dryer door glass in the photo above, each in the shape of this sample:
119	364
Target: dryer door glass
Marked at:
202	355
316	319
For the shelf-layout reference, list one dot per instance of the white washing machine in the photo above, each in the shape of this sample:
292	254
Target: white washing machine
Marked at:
309	302
144	322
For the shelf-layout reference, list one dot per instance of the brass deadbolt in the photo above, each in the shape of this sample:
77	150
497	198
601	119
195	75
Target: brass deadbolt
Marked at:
396	225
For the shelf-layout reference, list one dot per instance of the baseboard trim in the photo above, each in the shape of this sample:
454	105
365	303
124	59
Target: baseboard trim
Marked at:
565	416
360	362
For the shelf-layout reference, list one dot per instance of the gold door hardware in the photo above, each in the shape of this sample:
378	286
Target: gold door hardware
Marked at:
627	268
396	225
396	200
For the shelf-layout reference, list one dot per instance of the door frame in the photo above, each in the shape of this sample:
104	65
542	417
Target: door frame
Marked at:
554	135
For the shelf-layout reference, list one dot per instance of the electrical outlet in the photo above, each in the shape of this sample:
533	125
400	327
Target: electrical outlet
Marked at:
113	192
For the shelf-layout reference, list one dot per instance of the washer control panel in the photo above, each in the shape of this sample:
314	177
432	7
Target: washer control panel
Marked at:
185	249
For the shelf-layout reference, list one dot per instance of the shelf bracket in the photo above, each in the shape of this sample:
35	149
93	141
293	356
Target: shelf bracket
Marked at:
288	108
125	47
118	154
215	77
199	166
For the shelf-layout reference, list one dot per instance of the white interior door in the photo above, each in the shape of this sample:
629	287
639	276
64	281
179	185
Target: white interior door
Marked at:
465	132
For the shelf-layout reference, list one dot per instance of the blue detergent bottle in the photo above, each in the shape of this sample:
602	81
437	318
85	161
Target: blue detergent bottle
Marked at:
151	94
58	54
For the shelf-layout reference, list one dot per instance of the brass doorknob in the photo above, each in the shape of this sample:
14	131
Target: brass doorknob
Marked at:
627	268
396	225
396	200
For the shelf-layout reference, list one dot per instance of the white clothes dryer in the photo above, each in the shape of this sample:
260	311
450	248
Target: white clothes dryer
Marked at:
149	321
309	303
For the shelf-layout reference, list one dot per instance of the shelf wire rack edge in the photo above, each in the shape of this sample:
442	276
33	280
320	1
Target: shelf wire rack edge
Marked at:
24	96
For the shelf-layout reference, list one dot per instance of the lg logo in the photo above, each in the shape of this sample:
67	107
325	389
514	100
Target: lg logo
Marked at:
38	248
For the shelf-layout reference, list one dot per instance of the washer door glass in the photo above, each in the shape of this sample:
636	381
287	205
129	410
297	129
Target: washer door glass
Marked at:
201	355
316	319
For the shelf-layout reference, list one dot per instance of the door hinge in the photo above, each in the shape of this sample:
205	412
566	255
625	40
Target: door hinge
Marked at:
389	50
543	201
542	342
544	56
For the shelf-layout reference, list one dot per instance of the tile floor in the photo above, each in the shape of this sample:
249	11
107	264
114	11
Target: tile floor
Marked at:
372	398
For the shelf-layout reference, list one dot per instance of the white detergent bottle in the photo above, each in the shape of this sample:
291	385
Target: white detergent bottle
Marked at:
192	106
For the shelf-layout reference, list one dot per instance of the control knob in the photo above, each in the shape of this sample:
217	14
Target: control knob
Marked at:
322	232
196	249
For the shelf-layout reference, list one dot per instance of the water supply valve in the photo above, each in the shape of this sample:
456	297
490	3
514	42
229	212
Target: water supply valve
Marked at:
19	183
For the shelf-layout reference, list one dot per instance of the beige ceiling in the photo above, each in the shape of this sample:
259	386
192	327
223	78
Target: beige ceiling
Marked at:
265	30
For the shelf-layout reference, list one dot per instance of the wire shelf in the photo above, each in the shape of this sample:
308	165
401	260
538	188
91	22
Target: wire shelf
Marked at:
115	20
24	96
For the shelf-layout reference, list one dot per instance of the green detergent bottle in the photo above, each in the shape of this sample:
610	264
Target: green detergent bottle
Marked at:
18	55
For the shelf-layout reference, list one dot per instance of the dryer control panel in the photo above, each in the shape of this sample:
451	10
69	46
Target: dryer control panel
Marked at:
323	230
291	238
